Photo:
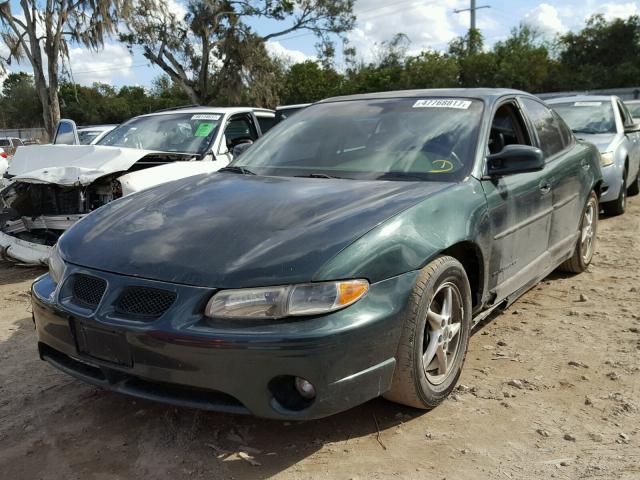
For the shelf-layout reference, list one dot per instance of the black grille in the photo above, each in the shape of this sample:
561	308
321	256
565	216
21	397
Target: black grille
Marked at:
87	291
145	302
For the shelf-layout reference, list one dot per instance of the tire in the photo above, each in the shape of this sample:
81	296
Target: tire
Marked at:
586	244
634	189
443	281
618	206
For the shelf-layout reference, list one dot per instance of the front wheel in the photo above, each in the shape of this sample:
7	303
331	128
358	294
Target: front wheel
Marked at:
435	336
586	245
619	205
634	189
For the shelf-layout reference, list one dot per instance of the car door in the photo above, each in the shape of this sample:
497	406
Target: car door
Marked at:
634	142
519	209
567	172
240	128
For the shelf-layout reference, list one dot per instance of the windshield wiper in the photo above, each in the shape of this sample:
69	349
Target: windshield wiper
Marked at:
401	176
316	175
236	169
585	130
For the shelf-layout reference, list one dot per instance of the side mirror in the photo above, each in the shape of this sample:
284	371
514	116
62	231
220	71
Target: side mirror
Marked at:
515	159
66	133
633	128
240	149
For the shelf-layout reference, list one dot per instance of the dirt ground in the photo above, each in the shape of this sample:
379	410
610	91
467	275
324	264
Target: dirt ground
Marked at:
550	390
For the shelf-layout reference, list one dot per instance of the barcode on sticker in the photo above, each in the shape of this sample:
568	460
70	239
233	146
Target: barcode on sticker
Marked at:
204	116
443	103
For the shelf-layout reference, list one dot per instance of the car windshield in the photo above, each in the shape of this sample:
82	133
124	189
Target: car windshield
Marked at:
588	116
634	109
87	136
174	132
4	142
394	139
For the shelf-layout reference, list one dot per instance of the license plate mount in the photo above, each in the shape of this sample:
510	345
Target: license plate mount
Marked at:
102	344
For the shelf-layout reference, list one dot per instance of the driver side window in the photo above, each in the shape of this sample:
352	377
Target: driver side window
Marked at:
507	128
624	114
240	129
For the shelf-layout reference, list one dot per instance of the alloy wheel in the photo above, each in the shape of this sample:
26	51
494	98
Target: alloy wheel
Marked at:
441	337
588	232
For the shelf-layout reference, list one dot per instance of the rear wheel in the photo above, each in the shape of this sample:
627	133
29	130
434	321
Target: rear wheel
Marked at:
586	245
618	206
435	336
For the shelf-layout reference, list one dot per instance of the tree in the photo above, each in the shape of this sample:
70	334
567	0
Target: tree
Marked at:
523	61
19	104
41	32
212	51
603	54
308	82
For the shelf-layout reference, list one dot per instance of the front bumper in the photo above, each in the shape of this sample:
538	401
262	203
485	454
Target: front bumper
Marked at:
15	249
611	183
184	359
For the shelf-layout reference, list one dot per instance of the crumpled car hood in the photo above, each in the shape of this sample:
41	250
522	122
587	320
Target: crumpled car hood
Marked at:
68	165
230	231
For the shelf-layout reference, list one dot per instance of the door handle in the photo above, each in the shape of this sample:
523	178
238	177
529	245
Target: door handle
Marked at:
545	188
585	165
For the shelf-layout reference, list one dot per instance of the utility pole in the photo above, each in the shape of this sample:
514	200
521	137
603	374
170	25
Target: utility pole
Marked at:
472	11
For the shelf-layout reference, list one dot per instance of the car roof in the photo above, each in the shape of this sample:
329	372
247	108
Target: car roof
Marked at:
488	94
205	109
582	98
287	107
632	101
101	128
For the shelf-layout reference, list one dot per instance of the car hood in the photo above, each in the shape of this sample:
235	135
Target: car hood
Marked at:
228	231
68	165
603	141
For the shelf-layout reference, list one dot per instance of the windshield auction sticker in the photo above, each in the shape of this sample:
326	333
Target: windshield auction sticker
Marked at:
204	129
443	103
202	116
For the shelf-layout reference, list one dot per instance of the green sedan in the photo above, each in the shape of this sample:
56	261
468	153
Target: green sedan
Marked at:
347	254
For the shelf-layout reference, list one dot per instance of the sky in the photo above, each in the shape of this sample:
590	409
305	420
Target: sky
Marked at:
428	24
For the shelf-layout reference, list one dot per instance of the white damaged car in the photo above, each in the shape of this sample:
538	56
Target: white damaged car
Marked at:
50	187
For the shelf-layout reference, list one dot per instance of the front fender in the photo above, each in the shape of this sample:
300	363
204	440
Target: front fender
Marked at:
411	239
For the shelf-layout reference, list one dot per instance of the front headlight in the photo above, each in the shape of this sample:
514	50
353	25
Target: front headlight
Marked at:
606	159
285	301
56	265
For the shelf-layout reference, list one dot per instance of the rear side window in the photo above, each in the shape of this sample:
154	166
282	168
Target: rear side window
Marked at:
266	123
546	125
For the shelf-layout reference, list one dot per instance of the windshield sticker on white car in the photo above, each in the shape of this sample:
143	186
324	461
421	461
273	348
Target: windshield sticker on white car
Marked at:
443	103
204	129
587	104
205	116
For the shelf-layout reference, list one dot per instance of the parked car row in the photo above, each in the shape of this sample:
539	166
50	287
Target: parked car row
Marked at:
606	122
345	255
51	187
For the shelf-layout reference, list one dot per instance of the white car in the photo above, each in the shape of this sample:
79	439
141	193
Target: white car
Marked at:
50	187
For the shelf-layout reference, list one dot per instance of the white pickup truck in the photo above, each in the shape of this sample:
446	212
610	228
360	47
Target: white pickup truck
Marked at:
50	187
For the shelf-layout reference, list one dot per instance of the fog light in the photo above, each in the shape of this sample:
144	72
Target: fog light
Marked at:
305	388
